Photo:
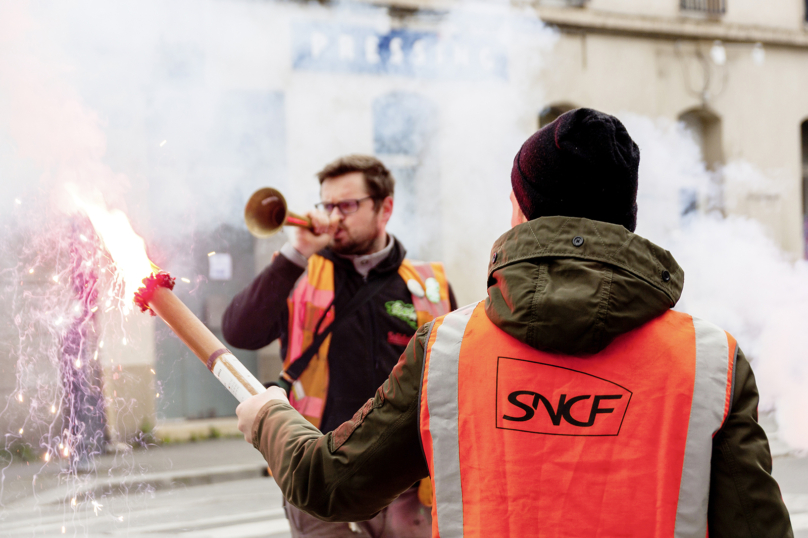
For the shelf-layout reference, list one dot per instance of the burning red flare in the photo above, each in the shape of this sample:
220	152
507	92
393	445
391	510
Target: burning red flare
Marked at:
127	249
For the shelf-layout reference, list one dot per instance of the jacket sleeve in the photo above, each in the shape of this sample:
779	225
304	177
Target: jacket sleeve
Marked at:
350	474
745	501
259	314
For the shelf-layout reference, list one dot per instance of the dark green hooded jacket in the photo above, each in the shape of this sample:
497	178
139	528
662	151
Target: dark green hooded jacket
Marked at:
554	294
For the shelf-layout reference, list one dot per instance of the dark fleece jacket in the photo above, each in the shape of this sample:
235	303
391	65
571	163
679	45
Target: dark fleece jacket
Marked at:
362	352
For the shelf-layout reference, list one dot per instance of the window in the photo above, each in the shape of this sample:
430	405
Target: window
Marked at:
710	7
705	127
404	128
243	134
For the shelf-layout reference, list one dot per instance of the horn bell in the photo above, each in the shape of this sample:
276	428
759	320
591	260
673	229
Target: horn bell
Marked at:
265	212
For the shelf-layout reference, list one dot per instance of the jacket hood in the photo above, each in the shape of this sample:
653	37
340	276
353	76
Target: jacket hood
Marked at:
571	285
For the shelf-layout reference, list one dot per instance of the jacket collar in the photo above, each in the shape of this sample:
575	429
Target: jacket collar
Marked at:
364	263
386	260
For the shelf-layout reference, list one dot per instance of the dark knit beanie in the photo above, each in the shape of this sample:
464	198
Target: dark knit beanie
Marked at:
583	164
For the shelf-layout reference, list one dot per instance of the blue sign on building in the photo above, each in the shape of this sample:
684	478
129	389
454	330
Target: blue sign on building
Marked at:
341	48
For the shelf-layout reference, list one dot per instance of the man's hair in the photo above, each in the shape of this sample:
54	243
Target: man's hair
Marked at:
378	179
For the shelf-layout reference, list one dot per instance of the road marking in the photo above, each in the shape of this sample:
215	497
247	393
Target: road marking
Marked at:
264	521
213	523
131	483
246	530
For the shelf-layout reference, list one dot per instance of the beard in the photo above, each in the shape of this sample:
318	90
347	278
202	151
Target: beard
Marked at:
353	246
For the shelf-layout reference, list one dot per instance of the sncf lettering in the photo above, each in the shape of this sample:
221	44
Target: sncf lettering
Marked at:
560	400
529	404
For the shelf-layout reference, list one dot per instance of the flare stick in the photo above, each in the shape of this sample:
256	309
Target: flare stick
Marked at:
156	297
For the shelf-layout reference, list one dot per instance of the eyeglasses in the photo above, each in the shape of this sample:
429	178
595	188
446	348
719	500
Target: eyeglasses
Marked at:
346	207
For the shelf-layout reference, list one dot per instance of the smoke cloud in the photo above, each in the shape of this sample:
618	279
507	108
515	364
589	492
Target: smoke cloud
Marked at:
174	113
177	111
735	274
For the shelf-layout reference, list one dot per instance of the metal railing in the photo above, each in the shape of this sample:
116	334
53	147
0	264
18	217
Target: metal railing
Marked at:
711	7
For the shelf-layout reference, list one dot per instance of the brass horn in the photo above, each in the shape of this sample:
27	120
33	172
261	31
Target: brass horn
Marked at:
266	213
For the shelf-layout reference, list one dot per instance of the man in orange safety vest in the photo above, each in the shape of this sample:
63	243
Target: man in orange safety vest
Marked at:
572	402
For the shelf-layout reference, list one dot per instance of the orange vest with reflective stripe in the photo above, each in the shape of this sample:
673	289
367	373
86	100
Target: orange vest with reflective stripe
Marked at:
309	301
521	442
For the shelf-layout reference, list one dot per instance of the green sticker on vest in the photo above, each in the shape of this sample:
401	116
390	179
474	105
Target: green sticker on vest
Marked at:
402	311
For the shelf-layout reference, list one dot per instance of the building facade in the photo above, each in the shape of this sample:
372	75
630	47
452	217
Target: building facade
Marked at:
732	70
445	104
207	106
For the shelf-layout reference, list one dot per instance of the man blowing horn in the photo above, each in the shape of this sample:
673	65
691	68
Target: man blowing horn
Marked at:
344	301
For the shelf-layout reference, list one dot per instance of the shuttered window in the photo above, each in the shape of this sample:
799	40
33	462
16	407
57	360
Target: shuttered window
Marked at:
712	7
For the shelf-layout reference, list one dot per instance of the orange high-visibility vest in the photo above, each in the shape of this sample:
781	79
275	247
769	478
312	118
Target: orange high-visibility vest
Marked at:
308	302
521	442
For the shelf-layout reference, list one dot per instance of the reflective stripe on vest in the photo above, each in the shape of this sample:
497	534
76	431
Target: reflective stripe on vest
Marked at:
426	308
712	398
444	467
307	304
629	455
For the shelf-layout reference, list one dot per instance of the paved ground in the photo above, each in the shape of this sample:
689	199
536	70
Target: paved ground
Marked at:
236	509
210	489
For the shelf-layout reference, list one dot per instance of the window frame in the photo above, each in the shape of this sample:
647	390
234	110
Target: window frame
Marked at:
713	8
